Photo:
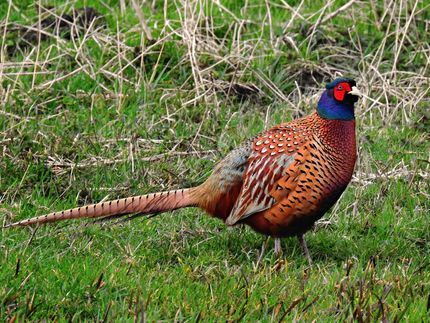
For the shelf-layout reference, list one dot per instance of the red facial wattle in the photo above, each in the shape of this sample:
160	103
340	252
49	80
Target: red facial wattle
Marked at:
340	90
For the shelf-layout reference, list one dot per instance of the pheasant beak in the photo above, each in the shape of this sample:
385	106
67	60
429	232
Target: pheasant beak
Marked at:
355	92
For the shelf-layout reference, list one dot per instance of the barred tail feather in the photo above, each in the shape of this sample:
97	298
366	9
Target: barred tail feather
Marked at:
143	204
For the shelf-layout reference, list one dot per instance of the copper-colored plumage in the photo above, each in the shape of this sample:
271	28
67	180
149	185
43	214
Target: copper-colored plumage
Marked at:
279	183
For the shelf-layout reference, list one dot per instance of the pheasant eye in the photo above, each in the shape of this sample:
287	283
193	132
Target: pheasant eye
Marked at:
339	92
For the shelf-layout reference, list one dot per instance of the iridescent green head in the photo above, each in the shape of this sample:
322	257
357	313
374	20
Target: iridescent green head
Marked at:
337	101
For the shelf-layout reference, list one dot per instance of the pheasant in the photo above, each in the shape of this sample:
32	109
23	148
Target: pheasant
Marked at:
279	182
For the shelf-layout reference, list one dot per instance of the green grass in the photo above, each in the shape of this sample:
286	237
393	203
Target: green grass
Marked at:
80	120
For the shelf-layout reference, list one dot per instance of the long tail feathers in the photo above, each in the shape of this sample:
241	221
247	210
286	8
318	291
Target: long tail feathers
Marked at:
143	204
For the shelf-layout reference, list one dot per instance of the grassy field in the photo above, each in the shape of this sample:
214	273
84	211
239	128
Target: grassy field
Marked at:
106	99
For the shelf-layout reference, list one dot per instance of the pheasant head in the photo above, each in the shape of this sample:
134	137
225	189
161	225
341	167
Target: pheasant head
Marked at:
337	101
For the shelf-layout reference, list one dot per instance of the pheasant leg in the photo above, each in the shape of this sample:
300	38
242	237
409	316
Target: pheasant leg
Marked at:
304	247
278	247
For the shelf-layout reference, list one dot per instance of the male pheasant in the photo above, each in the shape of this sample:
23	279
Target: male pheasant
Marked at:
279	182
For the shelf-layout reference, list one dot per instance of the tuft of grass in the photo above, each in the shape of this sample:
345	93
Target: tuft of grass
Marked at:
104	100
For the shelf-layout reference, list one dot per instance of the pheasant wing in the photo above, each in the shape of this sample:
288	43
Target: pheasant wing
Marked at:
272	155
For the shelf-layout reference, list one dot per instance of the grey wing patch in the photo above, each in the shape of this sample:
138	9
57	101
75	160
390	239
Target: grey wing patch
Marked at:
259	180
231	169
